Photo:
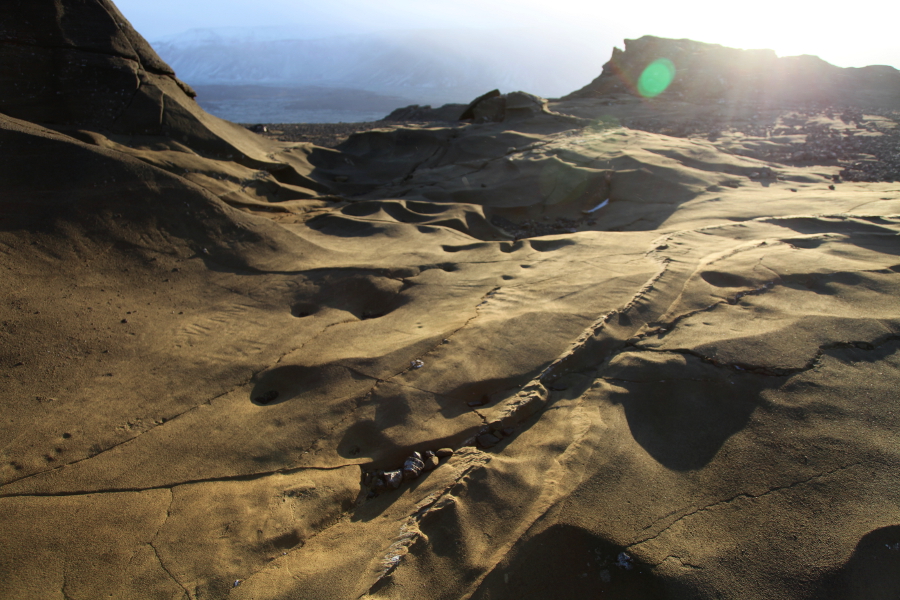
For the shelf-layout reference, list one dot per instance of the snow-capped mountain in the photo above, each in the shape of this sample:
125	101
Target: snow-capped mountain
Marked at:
434	65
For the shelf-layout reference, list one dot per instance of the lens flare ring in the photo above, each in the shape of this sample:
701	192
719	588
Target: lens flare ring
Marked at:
656	78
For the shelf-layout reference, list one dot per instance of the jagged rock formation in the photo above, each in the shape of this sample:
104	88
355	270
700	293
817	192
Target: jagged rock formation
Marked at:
709	72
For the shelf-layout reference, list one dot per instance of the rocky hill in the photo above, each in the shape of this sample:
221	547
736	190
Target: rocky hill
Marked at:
709	73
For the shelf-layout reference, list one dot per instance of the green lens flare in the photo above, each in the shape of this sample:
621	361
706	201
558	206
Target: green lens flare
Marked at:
656	78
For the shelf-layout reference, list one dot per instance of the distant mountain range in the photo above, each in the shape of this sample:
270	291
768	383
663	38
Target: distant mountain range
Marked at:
426	66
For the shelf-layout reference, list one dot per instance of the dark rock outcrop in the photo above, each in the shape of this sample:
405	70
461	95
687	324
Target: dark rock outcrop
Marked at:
709	72
78	64
469	113
496	107
425	114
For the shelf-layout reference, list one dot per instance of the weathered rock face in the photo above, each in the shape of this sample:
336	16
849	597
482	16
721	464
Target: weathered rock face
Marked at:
496	107
73	62
80	64
705	72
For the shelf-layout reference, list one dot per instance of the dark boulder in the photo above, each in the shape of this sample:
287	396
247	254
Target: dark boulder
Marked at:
448	113
495	107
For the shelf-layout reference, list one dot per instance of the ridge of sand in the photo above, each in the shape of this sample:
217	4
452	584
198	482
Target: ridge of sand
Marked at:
689	392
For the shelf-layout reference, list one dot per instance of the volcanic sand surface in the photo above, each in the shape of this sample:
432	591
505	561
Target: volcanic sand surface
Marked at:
701	375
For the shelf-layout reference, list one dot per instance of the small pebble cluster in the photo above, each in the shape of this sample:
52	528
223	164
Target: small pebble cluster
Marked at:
413	467
492	437
546	226
864	157
327	135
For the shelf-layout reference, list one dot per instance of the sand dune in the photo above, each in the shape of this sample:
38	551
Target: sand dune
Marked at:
214	343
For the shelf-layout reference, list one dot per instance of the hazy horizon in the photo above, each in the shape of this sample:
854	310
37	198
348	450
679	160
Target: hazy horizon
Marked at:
788	28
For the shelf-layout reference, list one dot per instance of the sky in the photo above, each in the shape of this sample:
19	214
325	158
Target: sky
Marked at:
836	32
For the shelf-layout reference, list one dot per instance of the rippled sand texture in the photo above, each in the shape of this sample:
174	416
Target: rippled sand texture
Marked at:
692	391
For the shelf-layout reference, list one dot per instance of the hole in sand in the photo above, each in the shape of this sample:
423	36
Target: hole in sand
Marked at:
720	279
371	314
304	309
286	540
549	245
448	248
426	208
362	209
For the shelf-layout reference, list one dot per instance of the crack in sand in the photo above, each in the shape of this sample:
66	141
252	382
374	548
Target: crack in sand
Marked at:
685	565
742	495
667	327
763	370
559	366
448	337
359	400
670	380
850	210
441	149
152	544
168	572
156	550
119	444
409	530
170	486
167	421
424	391
775	371
306	343
65	585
